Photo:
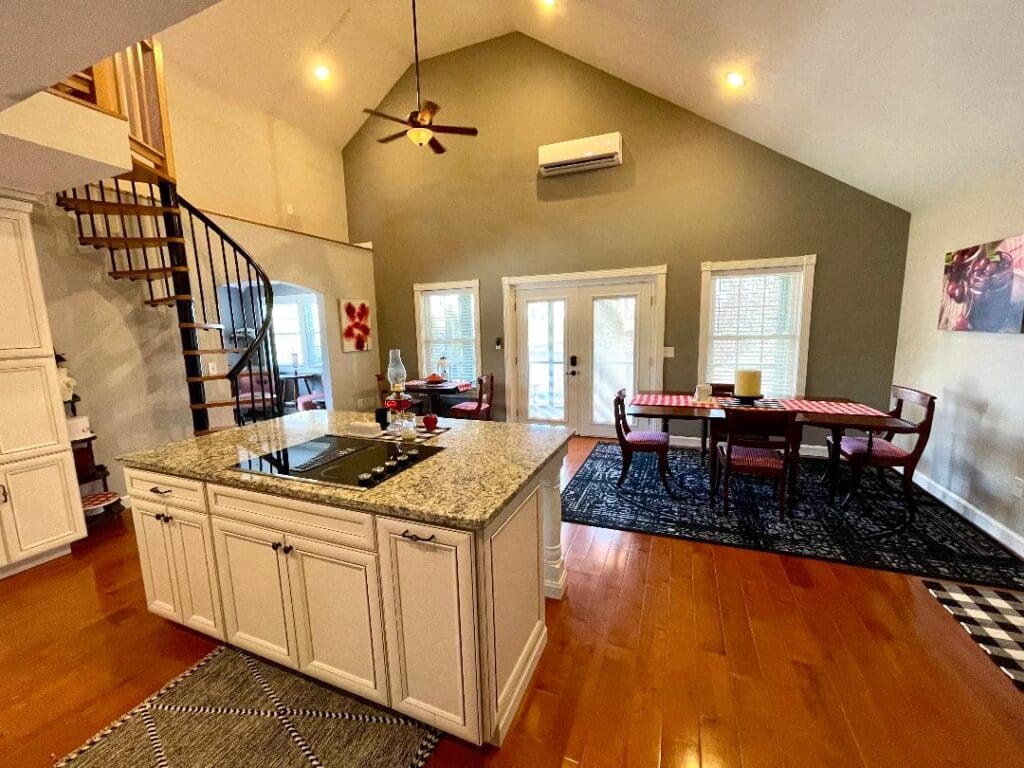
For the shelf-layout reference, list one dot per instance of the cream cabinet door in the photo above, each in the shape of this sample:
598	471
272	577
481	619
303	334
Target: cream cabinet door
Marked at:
427	588
254	587
336	599
156	556
40	509
191	539
31	415
24	330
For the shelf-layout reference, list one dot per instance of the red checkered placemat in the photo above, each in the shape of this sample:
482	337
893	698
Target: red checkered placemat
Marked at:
830	406
664	400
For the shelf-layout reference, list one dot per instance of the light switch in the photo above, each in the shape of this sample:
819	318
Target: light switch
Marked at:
668	352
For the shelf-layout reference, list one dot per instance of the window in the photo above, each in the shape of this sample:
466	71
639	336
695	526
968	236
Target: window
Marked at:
757	314
448	323
297	331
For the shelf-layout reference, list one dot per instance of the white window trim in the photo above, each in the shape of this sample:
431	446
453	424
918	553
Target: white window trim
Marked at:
301	300
419	290
753	266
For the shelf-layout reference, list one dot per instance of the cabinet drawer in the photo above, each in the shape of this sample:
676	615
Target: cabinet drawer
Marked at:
165	489
333	524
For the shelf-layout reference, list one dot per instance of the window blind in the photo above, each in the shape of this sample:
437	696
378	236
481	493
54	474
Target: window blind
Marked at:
755	323
448	327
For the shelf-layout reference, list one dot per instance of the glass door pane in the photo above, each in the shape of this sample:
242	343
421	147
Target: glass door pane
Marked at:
545	359
614	351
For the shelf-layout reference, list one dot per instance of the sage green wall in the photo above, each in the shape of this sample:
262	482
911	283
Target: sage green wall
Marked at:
689	191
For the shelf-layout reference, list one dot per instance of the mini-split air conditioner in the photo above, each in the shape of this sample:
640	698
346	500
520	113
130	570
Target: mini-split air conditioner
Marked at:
587	154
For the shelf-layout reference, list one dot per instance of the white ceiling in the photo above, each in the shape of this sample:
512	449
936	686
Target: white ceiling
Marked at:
901	99
87	31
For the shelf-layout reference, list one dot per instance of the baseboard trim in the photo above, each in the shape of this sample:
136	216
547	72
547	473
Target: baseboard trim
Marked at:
813	451
1009	538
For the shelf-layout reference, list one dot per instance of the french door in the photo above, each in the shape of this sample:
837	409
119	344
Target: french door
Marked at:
577	345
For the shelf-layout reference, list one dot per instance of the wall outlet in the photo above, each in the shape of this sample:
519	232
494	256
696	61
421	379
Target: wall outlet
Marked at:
1018	487
669	352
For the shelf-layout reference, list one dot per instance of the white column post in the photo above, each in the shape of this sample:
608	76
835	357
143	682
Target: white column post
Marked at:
551	506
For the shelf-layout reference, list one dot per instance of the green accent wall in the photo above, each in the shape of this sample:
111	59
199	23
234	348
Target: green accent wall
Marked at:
688	191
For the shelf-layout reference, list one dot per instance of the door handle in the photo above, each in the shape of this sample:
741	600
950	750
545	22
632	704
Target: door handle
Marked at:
158	492
414	537
570	373
5	498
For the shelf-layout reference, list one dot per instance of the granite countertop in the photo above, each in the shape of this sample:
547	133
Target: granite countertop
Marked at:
484	465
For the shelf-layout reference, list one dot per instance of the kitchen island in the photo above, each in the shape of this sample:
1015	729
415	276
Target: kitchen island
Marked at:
424	593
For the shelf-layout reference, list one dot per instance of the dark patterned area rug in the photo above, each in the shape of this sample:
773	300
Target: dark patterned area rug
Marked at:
233	710
874	531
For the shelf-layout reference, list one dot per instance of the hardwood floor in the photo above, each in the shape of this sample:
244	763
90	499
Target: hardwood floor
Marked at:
663	653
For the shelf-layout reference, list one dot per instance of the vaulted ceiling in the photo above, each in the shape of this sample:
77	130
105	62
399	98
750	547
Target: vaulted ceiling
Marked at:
901	99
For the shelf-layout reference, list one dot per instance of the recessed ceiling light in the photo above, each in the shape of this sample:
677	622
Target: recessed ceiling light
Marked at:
735	79
549	3
321	72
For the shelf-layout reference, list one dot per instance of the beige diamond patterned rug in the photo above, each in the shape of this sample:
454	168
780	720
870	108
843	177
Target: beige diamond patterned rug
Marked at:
232	710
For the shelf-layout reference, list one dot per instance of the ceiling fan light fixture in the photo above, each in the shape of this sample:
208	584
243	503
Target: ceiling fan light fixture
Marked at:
419	135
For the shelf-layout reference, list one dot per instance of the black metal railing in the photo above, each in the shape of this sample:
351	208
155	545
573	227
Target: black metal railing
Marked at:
223	298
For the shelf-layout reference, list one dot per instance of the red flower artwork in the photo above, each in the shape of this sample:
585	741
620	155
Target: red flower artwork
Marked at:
356	334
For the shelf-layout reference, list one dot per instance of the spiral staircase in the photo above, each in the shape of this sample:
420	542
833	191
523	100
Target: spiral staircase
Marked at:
222	297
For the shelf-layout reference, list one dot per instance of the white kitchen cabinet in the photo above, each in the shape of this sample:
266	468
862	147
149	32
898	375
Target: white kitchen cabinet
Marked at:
40	509
427	584
336	600
178	566
254	586
24	330
31	415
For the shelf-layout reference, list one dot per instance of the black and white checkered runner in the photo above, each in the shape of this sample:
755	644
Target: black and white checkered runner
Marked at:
994	618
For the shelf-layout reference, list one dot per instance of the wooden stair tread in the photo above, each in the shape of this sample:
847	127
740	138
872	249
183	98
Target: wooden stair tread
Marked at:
114	208
127	243
214	404
166	300
145	274
221	351
210	377
202	326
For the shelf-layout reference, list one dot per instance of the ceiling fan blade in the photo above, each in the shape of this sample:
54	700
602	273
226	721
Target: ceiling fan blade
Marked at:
458	129
392	118
436	145
392	137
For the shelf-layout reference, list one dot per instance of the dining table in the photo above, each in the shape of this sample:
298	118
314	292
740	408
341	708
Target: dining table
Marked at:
835	414
434	390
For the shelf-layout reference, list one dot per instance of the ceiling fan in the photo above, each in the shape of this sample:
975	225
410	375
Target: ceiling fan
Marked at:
420	122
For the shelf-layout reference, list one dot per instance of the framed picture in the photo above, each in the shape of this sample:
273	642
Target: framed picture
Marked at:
983	288
356	327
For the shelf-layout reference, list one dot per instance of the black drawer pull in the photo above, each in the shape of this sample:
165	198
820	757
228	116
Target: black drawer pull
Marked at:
275	546
159	518
3	489
158	492
287	549
168	518
414	537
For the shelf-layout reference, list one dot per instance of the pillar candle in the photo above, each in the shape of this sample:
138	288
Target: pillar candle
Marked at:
748	383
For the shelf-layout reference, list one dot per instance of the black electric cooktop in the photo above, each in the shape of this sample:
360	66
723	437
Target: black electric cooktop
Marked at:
337	460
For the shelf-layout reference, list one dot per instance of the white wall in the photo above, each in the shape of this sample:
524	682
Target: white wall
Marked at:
239	160
977	445
335	271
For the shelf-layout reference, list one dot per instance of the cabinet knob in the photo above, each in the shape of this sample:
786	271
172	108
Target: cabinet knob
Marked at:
159	518
414	537
158	492
275	546
168	518
3	494
287	549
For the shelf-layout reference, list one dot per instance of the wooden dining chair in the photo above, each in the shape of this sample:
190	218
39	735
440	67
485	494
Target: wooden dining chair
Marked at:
760	443
717	390
883	452
639	441
479	409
